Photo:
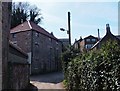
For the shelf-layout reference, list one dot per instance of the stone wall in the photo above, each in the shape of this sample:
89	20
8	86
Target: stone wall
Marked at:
46	54
18	69
18	76
5	12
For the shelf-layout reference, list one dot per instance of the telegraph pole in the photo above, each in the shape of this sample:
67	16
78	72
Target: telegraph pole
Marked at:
69	29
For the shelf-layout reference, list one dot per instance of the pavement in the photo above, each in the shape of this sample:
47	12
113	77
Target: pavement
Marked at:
50	81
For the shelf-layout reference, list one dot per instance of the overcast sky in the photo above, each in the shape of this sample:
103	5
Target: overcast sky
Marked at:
86	17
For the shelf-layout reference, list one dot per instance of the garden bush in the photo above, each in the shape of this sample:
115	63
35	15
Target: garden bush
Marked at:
95	70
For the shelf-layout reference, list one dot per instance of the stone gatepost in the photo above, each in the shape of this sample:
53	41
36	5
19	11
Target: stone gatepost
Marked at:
5	13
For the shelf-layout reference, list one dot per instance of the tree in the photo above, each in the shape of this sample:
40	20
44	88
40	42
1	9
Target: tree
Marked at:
34	13
22	11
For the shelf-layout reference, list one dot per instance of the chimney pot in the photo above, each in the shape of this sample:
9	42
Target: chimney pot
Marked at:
107	25
107	28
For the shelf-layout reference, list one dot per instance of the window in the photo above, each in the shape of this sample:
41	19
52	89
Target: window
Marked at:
37	44
28	33
57	48
88	46
14	42
26	43
93	40
50	39
51	47
57	43
88	40
14	35
37	34
36	68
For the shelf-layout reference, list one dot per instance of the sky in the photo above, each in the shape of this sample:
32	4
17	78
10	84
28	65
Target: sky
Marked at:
86	17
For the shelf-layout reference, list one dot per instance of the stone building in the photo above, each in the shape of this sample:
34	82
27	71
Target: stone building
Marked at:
108	36
65	43
43	48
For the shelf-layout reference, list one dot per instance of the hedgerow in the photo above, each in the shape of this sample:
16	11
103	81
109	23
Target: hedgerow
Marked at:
95	70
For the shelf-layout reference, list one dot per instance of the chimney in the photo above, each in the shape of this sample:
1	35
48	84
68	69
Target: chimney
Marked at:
80	37
107	28
52	33
98	38
75	40
98	35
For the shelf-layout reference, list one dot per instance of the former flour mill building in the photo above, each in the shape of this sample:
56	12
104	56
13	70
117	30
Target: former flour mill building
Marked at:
43	48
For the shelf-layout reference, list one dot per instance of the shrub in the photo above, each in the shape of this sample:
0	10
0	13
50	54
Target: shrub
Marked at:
67	56
95	70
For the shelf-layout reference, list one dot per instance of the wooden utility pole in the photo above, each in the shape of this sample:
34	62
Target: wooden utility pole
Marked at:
69	29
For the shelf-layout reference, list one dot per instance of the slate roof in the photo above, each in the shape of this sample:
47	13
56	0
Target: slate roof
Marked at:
90	36
17	48
118	36
29	25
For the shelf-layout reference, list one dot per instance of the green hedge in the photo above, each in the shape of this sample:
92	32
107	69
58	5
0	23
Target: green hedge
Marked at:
95	70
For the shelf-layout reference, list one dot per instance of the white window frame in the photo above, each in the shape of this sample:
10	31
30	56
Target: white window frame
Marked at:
93	40
88	40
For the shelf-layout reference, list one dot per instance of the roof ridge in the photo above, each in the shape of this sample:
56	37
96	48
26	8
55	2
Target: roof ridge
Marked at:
42	29
29	24
89	36
18	25
39	26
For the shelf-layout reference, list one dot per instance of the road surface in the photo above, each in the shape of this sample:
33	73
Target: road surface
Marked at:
48	81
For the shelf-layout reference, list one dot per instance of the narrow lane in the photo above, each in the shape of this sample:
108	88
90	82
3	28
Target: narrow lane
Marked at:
48	81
